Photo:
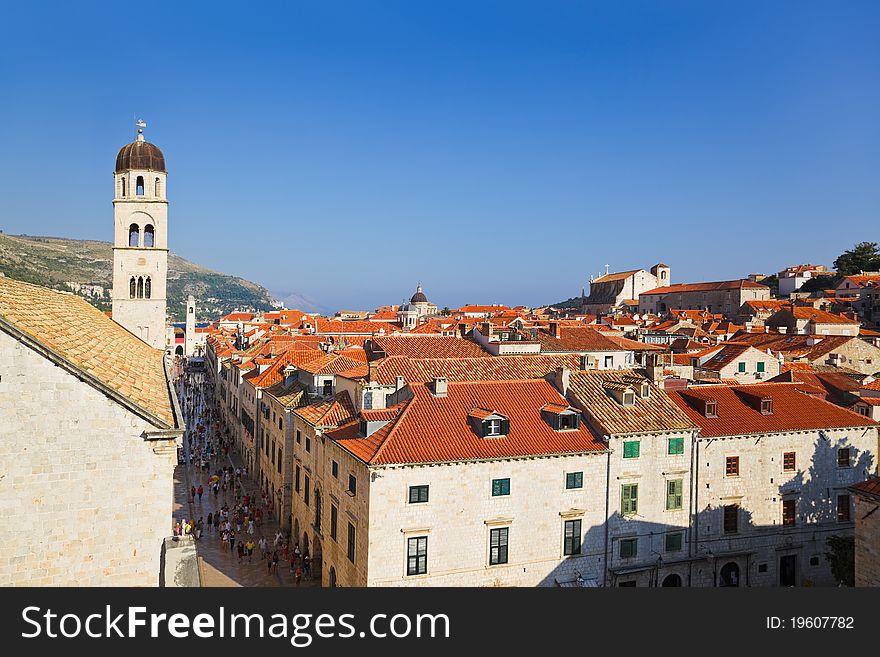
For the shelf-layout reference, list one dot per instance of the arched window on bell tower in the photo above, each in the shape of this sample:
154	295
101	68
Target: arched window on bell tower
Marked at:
134	235
140	294
132	288
140	186
148	288
122	185
158	187
149	236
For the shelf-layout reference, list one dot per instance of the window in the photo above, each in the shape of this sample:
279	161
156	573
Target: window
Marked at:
351	542
572	542
308	444
629	499
629	399
158	187
741	368
631	449
139	189
498	546
493	427
675	446
712	408
843	457
279	460
767	407
140	294
674	541
123	186
567	421
334	469
334	519
132	288
843	508
731	466
788	461
609	362
788	511
306	490
574	479
674	488
149	235
352	484
134	235
500	487
273	452
731	519
629	547
760	366
280	424
298	437
328	387
416	555
418	494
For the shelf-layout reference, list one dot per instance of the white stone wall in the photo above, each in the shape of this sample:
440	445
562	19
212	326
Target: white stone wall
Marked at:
84	499
461	511
759	490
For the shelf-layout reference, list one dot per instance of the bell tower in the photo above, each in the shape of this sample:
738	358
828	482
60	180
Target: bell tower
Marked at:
140	243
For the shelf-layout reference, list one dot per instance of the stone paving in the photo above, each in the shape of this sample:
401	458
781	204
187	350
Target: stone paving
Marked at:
218	565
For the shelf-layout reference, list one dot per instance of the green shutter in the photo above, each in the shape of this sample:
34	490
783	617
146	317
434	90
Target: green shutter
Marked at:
629	502
742	367
631	449
674	495
675	446
505	427
761	366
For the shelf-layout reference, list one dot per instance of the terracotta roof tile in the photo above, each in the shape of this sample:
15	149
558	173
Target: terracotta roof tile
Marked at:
84	336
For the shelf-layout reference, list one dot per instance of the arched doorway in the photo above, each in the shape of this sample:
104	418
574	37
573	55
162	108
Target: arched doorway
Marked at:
332	577
730	574
672	580
295	528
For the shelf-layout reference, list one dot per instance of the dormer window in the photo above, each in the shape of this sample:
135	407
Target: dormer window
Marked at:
766	407
629	398
488	424
568	421
711	409
492	427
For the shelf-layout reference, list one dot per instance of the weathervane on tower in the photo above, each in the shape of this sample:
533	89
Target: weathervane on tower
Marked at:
140	124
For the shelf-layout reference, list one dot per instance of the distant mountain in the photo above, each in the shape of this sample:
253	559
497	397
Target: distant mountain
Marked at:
66	264
299	302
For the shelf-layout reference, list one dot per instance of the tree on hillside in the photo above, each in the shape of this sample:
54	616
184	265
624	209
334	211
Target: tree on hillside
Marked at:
841	557
822	282
864	256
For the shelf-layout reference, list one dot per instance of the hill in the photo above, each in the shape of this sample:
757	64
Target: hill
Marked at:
66	264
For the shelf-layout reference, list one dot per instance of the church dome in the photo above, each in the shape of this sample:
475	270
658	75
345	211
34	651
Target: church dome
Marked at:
140	154
419	296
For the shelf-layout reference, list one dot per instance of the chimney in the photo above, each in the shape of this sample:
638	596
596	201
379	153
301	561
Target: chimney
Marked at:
439	386
560	380
372	370
554	329
486	329
399	382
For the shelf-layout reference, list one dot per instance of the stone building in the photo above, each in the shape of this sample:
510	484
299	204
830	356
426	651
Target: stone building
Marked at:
410	314
88	445
773	465
622	289
485	483
806	320
140	244
723	297
867	532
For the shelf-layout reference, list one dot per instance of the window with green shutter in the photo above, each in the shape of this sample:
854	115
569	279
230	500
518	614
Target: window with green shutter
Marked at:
675	446
760	365
674	541
498	546
574	479
674	489
572	537
631	449
629	499
741	367
500	487
418	494
629	547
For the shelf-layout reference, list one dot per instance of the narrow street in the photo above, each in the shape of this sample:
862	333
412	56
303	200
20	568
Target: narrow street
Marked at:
237	495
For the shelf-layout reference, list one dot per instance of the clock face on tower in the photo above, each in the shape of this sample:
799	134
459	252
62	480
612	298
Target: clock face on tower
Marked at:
140	242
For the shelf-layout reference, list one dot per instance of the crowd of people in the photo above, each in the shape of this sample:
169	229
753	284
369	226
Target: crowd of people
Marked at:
235	517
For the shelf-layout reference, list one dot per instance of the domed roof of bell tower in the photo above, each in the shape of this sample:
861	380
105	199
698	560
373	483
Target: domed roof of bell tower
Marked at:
140	154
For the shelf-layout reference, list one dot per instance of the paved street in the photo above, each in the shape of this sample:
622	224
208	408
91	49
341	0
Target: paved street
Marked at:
219	565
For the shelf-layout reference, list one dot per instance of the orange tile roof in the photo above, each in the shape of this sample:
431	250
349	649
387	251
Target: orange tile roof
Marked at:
869	487
429	346
329	412
329	364
793	410
617	276
93	344
706	287
819	316
432	429
275	372
342	327
862	280
576	339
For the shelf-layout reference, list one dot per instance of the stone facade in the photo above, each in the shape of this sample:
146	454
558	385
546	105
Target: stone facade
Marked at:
867	538
85	499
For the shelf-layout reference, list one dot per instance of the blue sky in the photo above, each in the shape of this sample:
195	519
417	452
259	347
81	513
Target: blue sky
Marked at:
495	151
